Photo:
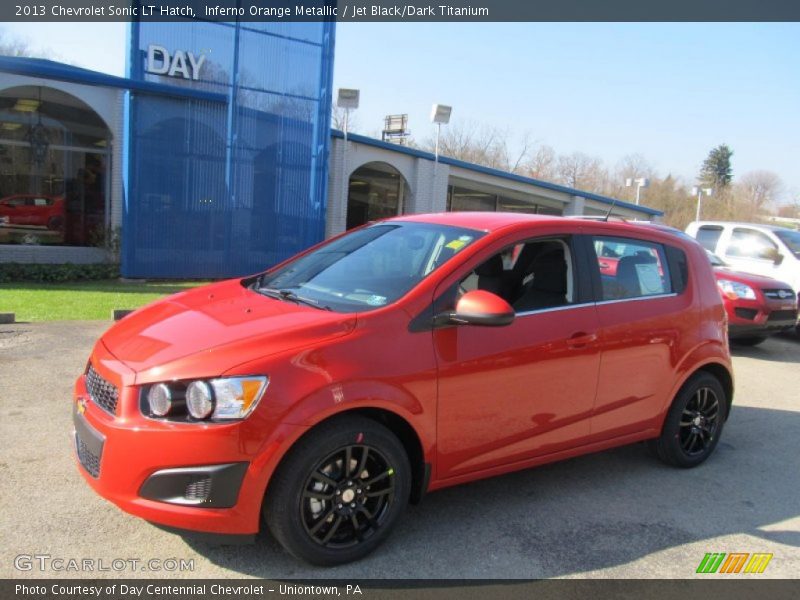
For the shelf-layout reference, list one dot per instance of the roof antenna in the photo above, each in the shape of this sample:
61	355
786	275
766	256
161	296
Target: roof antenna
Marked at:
608	214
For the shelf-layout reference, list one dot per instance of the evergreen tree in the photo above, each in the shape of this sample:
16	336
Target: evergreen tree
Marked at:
716	171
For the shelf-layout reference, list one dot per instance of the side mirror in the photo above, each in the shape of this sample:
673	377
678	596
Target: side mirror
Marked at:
480	307
778	258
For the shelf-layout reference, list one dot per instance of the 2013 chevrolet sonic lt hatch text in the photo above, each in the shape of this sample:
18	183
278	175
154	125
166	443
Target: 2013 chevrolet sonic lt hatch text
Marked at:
405	356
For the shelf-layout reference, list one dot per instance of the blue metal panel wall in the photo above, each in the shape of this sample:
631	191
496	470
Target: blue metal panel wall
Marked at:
233	180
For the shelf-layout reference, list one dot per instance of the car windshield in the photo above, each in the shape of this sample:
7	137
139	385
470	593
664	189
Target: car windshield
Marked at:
716	260
791	239
369	268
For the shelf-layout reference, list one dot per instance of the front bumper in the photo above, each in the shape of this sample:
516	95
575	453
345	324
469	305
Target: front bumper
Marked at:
753	317
157	470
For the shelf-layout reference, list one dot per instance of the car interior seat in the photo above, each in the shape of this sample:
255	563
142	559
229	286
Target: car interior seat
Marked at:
548	288
492	277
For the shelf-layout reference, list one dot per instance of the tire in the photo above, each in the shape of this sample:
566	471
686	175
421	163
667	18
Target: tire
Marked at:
55	223
326	517
675	446
749	341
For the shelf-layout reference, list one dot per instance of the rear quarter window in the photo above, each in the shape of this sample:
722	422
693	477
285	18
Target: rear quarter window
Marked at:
632	268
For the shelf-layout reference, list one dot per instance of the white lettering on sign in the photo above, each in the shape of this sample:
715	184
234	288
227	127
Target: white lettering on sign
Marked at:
177	64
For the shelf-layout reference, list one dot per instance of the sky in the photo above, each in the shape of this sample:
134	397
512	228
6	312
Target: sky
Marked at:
668	91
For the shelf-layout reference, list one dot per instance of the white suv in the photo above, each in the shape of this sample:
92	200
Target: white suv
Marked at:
753	248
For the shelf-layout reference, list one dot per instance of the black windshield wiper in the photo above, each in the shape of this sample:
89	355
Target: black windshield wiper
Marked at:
292	297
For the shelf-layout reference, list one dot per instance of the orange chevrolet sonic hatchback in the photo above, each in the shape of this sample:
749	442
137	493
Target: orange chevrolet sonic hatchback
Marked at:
408	355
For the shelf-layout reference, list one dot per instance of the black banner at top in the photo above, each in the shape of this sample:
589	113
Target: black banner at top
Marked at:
452	11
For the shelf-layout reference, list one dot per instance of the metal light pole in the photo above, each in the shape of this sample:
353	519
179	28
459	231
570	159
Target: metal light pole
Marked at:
440	115
699	191
347	99
641	182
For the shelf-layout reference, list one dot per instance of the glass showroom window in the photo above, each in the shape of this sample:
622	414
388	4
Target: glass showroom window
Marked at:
54	160
376	191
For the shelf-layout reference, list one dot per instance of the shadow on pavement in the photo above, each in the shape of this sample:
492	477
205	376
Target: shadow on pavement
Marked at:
583	514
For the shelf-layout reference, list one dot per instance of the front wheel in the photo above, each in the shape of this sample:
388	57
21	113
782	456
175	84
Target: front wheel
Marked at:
693	424
339	491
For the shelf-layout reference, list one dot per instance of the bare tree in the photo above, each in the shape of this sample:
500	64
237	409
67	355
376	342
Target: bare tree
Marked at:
758	190
482	145
338	118
581	171
630	166
542	164
13	47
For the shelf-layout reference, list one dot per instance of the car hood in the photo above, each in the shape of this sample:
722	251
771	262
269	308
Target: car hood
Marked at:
209	330
759	281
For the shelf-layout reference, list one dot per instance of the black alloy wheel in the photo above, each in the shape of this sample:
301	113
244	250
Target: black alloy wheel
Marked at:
693	425
339	491
348	496
699	422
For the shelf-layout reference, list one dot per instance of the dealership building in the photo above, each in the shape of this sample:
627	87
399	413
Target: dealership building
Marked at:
214	157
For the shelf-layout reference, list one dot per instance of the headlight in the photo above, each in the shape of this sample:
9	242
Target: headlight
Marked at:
160	399
734	290
236	397
199	399
222	399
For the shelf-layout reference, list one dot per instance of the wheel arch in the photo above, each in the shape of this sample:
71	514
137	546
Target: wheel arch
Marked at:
713	367
400	426
725	378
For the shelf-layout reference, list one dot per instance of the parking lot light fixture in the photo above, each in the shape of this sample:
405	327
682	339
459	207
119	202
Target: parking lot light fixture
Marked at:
640	182
699	191
440	115
347	99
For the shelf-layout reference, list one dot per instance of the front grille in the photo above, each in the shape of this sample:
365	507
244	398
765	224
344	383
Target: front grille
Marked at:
103	393
782	315
199	489
782	294
89	460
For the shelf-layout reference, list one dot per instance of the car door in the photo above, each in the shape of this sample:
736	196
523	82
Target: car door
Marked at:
506	394
15	210
644	327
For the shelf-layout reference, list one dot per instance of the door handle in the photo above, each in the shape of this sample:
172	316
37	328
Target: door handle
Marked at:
581	339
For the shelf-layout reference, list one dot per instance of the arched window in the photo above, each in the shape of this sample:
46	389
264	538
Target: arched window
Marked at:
376	191
54	168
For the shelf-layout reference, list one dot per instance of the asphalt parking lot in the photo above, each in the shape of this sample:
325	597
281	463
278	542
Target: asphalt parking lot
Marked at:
617	514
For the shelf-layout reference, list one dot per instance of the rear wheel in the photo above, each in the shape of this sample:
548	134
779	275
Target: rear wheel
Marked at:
749	341
339	492
694	423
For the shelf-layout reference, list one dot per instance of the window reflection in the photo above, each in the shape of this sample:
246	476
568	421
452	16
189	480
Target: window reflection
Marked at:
53	169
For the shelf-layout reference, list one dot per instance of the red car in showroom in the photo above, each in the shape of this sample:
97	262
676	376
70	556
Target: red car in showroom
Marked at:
402	357
757	306
33	210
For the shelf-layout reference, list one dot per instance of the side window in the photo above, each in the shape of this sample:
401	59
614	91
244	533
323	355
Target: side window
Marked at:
530	276
678	268
631	268
749	243
708	236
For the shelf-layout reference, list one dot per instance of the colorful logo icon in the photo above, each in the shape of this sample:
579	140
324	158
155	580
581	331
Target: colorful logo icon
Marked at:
734	562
